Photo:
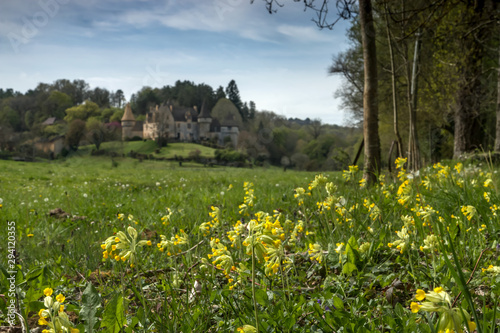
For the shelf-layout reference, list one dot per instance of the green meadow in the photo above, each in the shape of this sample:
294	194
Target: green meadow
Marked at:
150	147
122	245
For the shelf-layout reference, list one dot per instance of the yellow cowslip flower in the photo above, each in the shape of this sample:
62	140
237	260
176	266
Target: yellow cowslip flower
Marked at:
364	247
459	167
299	191
247	329
402	242
348	175
28	235
415	307
438	290
488	183
431	243
60	298
331	188
400	162
126	245
362	183
48	291
469	211
41	313
315	252
404	192
486	196
166	218
172	244
222	258
339	247
420	295
494	270
43	322
319	180
451	319
427	183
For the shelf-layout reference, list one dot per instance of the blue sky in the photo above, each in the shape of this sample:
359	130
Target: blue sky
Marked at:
278	61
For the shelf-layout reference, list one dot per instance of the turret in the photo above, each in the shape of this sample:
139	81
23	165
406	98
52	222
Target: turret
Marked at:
128	122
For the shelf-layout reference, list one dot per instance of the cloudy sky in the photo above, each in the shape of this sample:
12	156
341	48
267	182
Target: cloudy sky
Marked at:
278	61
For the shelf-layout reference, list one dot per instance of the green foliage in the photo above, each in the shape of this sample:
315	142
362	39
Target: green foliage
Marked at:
56	105
82	112
117	115
91	302
96	132
114	318
233	94
107	115
54	130
230	155
76	131
10	117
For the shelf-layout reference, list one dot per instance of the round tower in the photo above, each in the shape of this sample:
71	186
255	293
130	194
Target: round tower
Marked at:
128	122
204	120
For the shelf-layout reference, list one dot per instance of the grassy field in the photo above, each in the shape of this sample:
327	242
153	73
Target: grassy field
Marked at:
150	147
154	247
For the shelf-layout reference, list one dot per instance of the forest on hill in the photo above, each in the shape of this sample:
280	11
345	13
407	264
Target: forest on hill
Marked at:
76	111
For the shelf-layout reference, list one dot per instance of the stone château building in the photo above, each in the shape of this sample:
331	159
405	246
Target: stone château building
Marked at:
181	124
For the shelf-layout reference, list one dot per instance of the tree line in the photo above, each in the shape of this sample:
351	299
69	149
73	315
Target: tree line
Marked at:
93	114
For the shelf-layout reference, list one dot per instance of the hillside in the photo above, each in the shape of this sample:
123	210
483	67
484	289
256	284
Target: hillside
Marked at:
150	147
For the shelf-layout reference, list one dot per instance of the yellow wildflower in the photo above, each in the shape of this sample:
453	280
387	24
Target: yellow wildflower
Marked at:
415	307
48	291
420	295
60	298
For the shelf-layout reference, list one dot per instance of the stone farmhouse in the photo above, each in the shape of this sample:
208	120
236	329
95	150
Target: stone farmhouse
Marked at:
182	124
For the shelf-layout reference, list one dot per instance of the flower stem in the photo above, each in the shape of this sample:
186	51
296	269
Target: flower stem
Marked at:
253	285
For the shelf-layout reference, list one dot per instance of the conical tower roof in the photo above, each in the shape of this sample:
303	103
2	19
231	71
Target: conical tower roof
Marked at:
128	115
205	113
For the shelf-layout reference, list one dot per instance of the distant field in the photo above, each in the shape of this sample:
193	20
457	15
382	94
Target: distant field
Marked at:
149	147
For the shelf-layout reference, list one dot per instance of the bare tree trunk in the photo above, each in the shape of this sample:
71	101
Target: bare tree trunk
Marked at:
413	146
497	138
370	103
389	164
361	145
399	141
468	134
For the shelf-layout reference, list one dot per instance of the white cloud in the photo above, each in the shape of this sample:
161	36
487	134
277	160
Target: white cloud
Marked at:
303	33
